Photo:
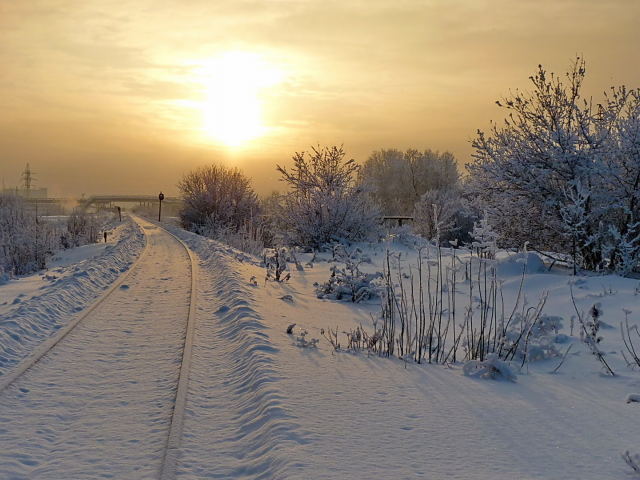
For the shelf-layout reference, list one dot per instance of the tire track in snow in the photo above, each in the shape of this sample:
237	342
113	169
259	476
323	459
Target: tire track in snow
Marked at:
236	424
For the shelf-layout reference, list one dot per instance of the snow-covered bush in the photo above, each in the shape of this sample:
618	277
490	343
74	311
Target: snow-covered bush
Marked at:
348	283
26	240
589	330
530	338
563	174
217	200
325	202
492	367
275	262
82	228
623	249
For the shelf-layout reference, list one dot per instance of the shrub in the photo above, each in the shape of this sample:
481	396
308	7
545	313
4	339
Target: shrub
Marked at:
325	203
217	199
442	215
348	282
26	241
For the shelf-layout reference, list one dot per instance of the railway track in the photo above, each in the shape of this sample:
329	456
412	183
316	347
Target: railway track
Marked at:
45	354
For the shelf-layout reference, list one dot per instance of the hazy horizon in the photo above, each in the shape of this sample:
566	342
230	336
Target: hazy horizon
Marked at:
120	97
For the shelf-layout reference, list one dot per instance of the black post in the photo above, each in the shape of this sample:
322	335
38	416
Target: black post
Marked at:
160	197
119	214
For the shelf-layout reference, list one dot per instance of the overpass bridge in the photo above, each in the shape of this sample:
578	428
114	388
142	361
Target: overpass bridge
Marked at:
60	206
108	201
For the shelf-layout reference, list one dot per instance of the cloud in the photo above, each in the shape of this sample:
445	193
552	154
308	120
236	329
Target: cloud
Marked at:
372	74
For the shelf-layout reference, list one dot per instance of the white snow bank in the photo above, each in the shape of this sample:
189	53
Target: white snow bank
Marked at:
232	351
513	264
69	290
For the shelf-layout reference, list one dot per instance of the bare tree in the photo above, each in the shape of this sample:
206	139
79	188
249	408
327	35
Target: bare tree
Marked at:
217	197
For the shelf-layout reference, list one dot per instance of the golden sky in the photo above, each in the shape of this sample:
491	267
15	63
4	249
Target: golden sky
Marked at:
122	96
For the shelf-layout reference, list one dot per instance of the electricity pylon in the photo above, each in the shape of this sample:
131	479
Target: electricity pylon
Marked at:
26	180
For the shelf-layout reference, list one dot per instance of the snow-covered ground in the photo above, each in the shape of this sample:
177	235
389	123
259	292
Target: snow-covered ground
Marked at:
34	307
260	405
99	405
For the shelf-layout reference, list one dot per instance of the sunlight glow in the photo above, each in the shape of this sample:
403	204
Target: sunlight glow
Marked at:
231	112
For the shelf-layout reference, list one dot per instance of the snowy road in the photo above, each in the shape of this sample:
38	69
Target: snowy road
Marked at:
99	404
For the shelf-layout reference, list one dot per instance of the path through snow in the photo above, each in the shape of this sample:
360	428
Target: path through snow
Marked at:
99	405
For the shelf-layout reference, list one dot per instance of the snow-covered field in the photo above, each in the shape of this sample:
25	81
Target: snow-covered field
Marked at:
260	405
352	415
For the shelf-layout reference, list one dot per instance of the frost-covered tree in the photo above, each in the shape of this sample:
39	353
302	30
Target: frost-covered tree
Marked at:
619	170
82	228
325	202
442	215
26	240
217	198
400	179
560	171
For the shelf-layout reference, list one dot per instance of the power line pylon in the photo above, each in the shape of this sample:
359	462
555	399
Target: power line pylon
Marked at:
26	180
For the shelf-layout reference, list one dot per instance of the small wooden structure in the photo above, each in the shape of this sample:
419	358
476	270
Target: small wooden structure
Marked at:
400	219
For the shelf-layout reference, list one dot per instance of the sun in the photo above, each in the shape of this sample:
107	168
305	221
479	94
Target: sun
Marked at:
231	111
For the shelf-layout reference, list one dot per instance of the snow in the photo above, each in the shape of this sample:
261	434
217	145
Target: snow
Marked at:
47	301
633	397
263	404
99	404
349	415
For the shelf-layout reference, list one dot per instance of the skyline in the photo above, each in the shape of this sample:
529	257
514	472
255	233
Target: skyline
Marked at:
110	97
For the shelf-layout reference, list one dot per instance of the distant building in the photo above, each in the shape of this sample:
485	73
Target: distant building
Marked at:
27	192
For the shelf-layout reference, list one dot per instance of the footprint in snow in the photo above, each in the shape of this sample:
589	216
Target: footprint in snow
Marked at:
287	298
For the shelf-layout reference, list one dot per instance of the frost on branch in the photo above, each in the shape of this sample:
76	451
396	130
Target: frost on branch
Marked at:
563	172
275	262
325	202
492	367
